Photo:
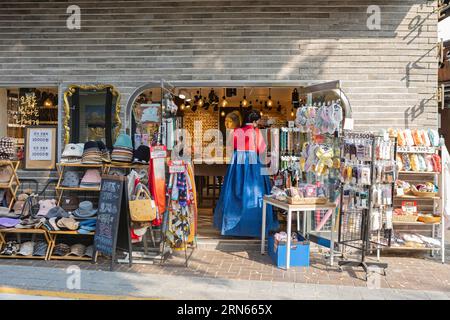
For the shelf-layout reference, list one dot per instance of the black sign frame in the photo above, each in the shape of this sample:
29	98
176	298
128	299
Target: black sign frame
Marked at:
120	224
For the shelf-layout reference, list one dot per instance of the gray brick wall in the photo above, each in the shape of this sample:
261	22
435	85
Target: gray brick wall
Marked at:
390	75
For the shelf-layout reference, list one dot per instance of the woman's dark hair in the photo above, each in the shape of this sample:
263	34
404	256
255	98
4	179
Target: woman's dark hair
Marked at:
251	116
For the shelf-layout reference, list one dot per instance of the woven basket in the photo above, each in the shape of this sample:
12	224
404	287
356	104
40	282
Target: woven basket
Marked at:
307	200
405	218
424	194
429	219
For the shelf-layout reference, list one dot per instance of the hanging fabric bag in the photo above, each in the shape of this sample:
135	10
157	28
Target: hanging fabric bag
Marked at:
142	209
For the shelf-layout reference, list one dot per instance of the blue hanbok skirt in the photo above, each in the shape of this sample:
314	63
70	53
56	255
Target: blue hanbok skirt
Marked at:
239	209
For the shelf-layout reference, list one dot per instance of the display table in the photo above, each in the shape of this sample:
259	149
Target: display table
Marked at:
290	209
205	168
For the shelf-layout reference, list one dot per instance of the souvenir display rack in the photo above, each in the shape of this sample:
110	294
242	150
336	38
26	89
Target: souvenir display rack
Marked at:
14	183
309	153
429	204
368	177
179	226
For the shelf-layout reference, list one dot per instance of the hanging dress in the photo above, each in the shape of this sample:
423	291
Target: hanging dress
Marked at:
239	209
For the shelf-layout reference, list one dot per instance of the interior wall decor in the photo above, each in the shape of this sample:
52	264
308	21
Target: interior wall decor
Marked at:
40	147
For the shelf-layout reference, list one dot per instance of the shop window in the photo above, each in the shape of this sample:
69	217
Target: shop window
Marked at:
27	107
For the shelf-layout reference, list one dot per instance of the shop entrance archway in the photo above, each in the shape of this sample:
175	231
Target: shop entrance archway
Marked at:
256	92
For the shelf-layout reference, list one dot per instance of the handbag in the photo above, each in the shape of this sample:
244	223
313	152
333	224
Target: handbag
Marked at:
142	210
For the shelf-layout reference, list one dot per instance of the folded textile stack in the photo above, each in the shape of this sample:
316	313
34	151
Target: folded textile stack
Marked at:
7	148
417	137
123	149
91	179
72	153
91	153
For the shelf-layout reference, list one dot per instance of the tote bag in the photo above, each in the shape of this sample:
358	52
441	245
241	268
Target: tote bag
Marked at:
143	208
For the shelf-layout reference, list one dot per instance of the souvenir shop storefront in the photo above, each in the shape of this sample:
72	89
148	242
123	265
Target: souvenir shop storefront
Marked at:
181	162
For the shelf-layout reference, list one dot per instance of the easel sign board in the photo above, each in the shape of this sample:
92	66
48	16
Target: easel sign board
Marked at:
40	147
112	218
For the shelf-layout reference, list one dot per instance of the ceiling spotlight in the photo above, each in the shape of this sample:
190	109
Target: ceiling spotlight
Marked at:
222	113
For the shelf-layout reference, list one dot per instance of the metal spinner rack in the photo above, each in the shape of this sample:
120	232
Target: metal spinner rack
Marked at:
355	221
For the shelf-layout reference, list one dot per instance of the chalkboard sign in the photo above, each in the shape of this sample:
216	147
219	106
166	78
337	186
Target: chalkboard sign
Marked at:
112	217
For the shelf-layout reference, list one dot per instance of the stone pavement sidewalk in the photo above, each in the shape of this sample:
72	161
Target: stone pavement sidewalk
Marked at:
191	288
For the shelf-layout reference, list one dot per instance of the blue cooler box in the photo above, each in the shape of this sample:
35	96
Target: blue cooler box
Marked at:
299	253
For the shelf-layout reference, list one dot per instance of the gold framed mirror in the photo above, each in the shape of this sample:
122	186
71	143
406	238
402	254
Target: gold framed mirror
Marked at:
92	112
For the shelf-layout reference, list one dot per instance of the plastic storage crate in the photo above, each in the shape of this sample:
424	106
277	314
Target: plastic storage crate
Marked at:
299	252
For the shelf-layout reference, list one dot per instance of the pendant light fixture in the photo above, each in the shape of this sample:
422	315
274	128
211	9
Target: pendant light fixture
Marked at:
244	102
200	101
222	113
224	100
48	103
270	102
292	113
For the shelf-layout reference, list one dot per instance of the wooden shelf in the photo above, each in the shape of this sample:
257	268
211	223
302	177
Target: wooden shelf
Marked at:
81	165
77	189
419	172
72	258
18	230
411	248
125	165
6	186
16	256
415	223
416	197
71	233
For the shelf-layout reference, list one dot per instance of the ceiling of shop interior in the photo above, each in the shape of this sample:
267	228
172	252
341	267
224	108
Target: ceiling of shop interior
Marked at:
283	95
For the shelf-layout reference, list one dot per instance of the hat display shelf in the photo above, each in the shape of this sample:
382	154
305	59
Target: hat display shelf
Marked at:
33	232
5	232
60	190
62	169
14	183
54	235
431	204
